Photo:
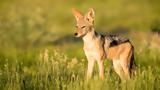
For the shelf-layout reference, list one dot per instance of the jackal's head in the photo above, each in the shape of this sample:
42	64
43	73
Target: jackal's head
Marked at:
84	22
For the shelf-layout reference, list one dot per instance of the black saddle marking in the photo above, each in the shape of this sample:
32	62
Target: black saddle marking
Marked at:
117	40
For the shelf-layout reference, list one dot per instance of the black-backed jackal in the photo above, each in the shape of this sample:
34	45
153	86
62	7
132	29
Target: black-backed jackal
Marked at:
98	47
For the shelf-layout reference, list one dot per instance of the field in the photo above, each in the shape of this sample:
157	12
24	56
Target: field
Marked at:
38	50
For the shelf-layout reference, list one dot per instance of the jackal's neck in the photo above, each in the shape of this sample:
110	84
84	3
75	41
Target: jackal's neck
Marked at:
89	36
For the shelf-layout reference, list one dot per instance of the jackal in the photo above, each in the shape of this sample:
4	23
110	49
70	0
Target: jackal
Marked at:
99	47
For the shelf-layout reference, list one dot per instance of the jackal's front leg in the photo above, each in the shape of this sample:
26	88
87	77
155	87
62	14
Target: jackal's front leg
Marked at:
90	68
101	68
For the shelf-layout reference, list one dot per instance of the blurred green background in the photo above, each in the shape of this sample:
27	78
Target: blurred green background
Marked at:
34	25
31	23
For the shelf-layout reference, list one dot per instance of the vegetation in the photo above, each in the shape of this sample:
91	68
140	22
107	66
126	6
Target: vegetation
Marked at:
39	52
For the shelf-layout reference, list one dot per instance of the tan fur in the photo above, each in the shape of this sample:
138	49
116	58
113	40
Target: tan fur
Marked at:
95	50
121	57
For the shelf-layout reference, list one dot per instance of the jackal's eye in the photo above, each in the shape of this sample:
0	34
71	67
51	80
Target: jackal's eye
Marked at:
83	26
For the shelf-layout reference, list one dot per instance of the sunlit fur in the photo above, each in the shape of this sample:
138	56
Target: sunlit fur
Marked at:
97	47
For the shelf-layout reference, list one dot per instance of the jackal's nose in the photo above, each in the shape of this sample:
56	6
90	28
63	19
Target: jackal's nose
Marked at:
75	34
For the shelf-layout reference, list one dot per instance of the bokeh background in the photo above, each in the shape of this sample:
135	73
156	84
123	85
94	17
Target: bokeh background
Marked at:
29	27
32	23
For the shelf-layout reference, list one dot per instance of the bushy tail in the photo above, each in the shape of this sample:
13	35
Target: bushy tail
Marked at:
133	65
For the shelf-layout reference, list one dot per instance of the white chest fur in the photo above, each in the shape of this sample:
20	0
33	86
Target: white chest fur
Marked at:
92	46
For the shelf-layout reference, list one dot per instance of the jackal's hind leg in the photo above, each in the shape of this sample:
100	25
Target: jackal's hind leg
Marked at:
118	69
126	72
126	64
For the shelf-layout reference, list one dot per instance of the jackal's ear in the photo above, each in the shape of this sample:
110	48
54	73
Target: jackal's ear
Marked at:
90	15
77	14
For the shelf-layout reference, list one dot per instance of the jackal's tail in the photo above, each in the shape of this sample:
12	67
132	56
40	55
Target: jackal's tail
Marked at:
133	65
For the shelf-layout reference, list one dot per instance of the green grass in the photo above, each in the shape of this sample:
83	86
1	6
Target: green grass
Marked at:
48	69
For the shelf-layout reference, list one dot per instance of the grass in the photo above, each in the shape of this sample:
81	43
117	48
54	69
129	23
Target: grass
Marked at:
49	69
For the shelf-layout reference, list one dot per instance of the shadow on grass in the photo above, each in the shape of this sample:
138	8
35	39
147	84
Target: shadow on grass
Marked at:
65	40
119	30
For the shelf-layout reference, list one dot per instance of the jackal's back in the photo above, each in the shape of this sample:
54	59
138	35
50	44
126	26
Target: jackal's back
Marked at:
113	40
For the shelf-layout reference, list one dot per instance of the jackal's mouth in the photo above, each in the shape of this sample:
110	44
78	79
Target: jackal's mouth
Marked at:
79	36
